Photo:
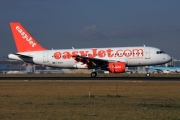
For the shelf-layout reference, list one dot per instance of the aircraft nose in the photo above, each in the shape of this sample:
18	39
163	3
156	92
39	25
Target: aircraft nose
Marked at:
168	58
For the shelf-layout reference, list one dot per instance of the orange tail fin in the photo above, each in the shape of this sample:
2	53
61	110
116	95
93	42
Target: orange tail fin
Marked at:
24	41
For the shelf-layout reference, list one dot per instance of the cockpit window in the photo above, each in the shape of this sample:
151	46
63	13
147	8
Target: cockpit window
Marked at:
160	52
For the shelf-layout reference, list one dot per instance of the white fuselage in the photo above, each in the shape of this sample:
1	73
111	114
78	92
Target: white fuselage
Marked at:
63	58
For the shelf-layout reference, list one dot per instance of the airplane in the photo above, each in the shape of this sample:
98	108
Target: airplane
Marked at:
165	69
112	59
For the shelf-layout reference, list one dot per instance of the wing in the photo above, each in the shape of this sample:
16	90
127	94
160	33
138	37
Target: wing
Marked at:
94	63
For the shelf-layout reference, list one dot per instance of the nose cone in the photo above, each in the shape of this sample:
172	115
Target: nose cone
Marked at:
168	58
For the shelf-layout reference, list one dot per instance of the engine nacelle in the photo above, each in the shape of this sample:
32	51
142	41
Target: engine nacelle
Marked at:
116	67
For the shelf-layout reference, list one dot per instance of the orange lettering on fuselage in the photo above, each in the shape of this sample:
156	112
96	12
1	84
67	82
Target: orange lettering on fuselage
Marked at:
66	55
127	53
109	52
74	53
83	53
94	53
119	53
101	53
57	55
138	52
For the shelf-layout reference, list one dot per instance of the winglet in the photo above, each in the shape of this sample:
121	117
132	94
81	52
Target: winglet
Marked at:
23	40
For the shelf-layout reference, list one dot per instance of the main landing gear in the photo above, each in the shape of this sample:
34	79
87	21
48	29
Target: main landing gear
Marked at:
93	74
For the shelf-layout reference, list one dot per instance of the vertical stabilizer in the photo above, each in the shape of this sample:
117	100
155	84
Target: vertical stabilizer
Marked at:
23	40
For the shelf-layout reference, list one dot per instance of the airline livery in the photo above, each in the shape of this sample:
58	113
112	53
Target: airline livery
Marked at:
112	59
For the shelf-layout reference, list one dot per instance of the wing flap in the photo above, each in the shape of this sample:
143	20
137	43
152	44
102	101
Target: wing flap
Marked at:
94	63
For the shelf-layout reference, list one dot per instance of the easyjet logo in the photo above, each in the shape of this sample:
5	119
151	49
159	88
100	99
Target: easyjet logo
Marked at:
94	52
116	67
26	37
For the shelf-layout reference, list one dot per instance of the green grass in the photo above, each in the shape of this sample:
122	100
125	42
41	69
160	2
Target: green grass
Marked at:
113	100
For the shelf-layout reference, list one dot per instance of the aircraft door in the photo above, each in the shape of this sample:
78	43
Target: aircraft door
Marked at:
45	57
147	53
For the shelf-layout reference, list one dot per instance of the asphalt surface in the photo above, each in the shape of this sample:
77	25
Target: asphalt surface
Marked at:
97	78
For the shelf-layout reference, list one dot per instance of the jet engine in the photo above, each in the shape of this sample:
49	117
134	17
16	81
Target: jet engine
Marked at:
116	67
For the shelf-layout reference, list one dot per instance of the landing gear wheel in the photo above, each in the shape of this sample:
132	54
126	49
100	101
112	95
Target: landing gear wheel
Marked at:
147	74
93	74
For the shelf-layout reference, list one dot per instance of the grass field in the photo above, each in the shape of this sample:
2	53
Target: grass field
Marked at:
108	100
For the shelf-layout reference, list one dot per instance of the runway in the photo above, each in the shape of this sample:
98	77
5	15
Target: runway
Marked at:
97	78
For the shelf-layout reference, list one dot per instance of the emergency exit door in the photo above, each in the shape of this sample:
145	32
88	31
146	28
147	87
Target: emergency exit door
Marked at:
45	57
147	53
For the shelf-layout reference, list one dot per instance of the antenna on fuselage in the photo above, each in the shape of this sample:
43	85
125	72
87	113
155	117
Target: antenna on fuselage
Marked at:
72	47
144	45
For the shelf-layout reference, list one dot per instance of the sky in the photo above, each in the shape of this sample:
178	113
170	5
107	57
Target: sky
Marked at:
63	24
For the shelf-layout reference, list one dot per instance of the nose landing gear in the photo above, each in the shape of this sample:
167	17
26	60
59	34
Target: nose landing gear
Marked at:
147	74
147	71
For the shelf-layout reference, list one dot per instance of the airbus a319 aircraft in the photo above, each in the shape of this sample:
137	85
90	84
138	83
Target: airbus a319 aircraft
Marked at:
112	59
